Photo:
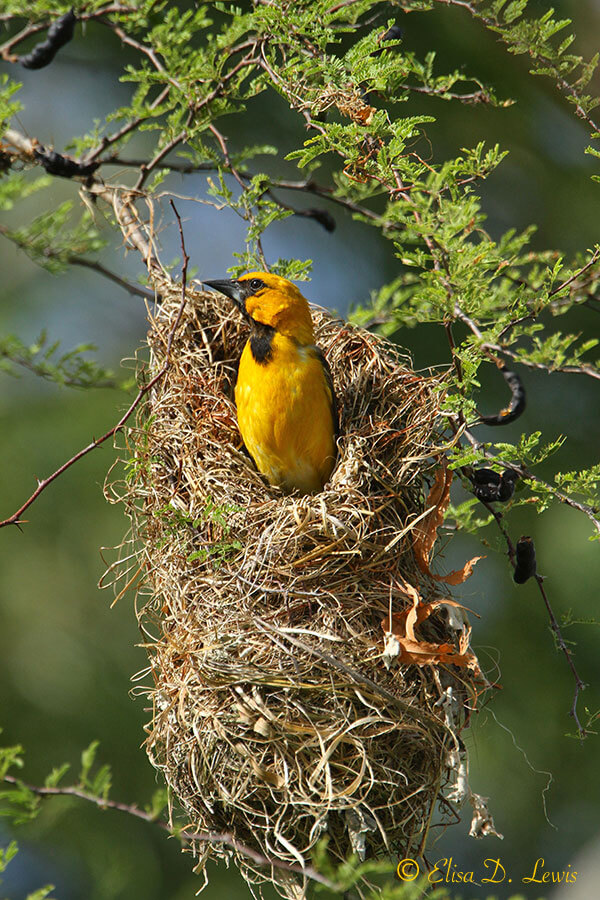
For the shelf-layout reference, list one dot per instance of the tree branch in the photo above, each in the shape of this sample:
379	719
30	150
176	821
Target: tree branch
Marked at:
501	348
31	29
134	289
561	81
480	96
209	837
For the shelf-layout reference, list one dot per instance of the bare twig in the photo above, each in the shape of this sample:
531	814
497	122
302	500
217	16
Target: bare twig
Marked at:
579	684
15	518
135	289
480	96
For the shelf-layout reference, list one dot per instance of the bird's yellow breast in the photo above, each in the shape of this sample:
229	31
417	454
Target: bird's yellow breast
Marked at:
284	407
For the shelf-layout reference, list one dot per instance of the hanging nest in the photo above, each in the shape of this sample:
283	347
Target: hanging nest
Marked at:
289	700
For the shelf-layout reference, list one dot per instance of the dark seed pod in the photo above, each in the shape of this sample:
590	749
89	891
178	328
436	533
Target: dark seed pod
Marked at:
56	164
394	33
507	485
321	216
517	402
491	486
526	566
486	484
59	34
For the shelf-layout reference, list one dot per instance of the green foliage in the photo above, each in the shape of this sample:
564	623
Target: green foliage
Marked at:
17	802
42	358
7	854
158	803
21	803
42	893
211	529
467	517
94	781
52	243
8	106
16	187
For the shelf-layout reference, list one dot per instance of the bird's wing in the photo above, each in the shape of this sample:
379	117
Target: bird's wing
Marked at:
320	356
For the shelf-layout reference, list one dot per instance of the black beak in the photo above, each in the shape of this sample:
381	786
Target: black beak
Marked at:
231	288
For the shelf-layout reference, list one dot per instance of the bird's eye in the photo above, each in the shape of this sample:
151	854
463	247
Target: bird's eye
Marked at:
256	284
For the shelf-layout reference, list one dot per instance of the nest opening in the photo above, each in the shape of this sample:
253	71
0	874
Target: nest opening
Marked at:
276	716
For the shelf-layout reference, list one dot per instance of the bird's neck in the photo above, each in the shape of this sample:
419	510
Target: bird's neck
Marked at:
296	325
265	341
292	320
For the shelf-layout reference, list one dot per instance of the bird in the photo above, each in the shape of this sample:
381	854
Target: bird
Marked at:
284	394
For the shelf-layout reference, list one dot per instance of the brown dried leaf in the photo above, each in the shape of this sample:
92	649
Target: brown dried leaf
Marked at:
412	650
426	532
459	575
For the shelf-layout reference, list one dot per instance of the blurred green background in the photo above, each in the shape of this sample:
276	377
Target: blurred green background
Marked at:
66	658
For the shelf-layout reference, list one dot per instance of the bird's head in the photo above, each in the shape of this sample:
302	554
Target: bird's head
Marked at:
270	300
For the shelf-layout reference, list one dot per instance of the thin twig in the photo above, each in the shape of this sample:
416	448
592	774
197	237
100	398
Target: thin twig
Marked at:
500	348
579	684
595	255
195	108
532	315
110	139
134	289
480	96
75	260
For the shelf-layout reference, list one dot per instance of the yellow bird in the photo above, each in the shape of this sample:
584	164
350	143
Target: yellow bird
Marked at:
286	407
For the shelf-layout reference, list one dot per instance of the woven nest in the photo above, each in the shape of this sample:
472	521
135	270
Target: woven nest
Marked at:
277	717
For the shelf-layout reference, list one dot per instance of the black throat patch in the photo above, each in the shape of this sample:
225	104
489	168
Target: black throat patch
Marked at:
261	342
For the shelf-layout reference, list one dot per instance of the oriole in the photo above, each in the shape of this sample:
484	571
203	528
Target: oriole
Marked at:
286	406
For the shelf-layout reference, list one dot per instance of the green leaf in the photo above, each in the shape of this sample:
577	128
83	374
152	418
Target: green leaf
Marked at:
7	853
88	758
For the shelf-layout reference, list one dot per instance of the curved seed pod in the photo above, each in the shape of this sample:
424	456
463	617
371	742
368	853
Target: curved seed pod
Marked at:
59	34
517	402
56	164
